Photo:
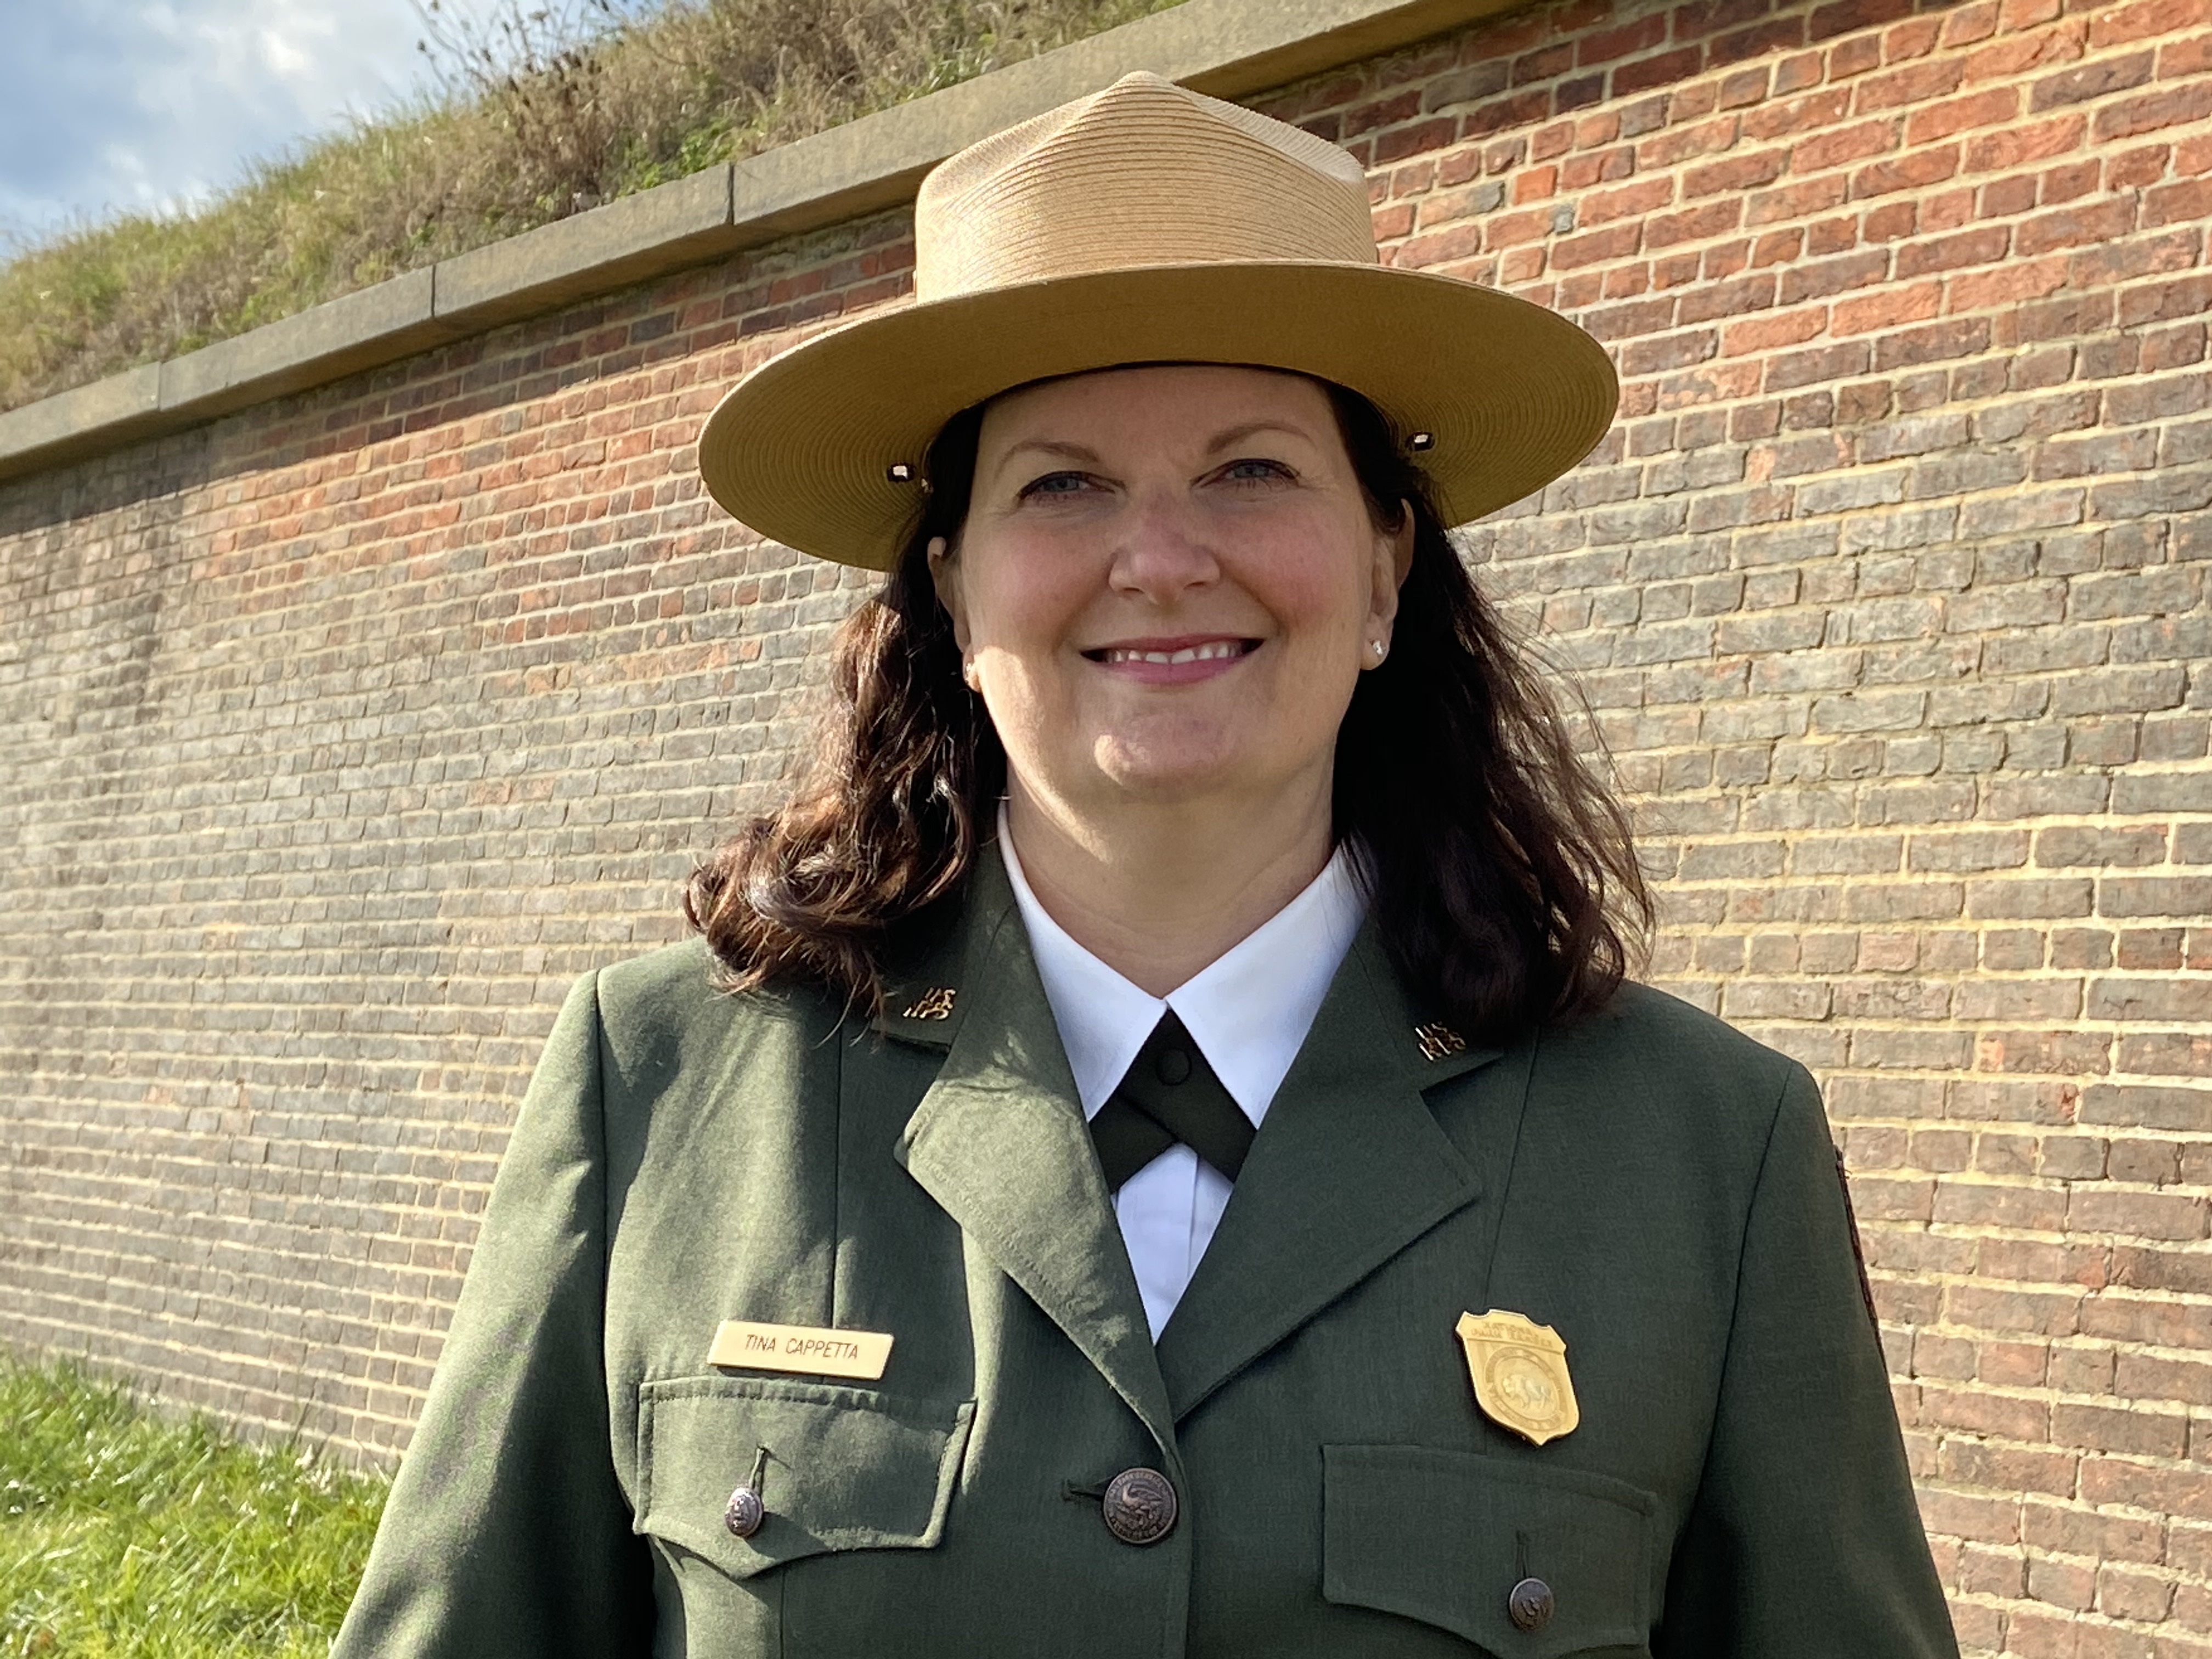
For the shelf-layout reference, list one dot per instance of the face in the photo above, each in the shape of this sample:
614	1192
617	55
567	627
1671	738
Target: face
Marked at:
1167	584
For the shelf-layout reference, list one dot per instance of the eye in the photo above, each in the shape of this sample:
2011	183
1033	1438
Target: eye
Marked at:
1055	484
1255	468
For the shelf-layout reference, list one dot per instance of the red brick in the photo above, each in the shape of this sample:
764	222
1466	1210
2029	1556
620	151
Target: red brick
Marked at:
1887	309
1773	35
2074	227
1983	245
1975	1463
1596	246
1736	173
2094	79
2191	55
2170	107
1847	16
1663	69
1795	201
1933	342
1907	88
1398	143
1693	224
1915	172
2141	1485
1765	333
1844	145
1989	107
1603	45
1631	201
2118	25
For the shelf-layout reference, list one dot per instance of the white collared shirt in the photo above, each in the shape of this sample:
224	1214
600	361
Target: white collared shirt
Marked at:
1249	1010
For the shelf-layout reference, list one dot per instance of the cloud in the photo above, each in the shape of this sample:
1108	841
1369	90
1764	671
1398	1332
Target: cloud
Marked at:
158	105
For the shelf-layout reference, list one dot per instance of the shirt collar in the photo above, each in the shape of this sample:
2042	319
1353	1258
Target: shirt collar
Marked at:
1248	1010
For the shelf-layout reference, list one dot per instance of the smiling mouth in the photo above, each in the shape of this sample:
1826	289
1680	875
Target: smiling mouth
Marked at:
1211	651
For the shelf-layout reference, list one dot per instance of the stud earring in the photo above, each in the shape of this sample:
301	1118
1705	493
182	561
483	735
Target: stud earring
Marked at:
967	674
1379	648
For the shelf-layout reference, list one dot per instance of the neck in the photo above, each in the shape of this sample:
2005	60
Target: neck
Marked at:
1158	891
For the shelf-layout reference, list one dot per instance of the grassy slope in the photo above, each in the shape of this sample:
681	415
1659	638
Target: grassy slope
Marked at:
587	118
125	1537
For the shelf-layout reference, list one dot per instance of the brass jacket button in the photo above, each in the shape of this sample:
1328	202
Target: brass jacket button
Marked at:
1139	1506
746	1513
1531	1604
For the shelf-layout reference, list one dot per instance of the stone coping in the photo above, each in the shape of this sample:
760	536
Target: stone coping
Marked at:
1229	48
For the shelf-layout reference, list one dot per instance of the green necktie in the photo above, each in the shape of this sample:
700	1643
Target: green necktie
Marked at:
1170	1094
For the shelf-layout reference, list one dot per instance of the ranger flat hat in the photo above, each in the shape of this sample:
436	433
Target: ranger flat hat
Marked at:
1147	223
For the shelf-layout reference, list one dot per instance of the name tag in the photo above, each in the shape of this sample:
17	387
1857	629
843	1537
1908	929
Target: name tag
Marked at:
801	1348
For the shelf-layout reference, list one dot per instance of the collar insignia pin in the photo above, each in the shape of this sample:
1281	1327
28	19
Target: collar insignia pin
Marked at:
1520	1373
1439	1040
935	1003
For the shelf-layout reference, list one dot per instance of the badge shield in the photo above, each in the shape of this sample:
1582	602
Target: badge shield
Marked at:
1519	1368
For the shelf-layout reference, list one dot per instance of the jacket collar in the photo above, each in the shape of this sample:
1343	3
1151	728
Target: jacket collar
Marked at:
1001	1142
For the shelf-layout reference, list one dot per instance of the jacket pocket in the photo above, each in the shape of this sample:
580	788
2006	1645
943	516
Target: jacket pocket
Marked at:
846	1468
1444	1536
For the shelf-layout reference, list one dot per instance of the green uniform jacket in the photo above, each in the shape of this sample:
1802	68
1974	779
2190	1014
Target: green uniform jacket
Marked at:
1657	1188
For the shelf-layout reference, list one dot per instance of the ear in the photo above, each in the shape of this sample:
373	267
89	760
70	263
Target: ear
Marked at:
1393	558
944	577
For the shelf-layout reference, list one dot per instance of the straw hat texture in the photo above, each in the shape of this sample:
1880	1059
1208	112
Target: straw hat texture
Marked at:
1147	223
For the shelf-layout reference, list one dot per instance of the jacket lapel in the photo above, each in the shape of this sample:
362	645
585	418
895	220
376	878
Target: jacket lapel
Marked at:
1349	1168
1000	1142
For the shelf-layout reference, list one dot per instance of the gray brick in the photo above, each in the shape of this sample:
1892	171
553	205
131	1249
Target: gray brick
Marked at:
2016	511
2150	593
1851	492
2111	690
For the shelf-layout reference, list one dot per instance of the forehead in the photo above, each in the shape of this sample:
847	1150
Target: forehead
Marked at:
1159	401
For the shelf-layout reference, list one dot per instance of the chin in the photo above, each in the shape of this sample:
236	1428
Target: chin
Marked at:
1174	774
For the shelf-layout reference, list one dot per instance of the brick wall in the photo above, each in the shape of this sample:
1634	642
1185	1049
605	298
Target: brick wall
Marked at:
341	734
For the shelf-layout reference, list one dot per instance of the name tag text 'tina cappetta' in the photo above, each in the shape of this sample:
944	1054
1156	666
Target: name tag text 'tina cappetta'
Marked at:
806	1348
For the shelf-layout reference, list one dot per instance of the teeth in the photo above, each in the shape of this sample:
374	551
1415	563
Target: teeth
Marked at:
1212	651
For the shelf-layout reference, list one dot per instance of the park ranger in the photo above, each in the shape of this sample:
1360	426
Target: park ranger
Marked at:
1154	1150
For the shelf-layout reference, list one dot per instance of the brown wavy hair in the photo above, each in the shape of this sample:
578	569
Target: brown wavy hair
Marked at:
1499	867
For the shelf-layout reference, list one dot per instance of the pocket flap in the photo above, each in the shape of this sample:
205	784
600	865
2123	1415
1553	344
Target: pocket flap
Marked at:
1444	1537
847	1469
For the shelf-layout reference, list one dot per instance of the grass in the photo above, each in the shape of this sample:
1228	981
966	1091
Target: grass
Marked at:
549	107
126	1536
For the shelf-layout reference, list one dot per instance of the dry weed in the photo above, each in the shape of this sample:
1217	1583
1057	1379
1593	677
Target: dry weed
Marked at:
542	111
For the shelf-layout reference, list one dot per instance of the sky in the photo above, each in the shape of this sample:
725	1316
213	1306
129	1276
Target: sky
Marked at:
157	104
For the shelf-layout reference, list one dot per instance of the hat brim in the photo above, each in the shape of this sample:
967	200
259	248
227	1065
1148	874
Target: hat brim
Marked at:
802	448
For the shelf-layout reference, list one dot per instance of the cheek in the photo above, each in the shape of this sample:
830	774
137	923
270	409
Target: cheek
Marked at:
1024	602
1316	590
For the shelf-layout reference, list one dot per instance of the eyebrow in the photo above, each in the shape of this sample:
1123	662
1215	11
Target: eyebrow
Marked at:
1050	446
1238	434
1226	440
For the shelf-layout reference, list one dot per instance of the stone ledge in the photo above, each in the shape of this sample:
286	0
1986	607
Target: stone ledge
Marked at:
628	241
356	330
1230	48
80	421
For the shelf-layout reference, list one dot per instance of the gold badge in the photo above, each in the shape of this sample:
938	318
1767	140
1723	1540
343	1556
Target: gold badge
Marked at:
1520	1373
751	1345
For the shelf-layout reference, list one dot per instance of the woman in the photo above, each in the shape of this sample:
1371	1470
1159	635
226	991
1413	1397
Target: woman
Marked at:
1151	1151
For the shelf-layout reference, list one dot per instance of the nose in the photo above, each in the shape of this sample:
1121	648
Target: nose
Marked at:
1162	551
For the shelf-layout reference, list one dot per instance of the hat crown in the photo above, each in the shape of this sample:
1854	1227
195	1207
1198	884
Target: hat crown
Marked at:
1145	172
